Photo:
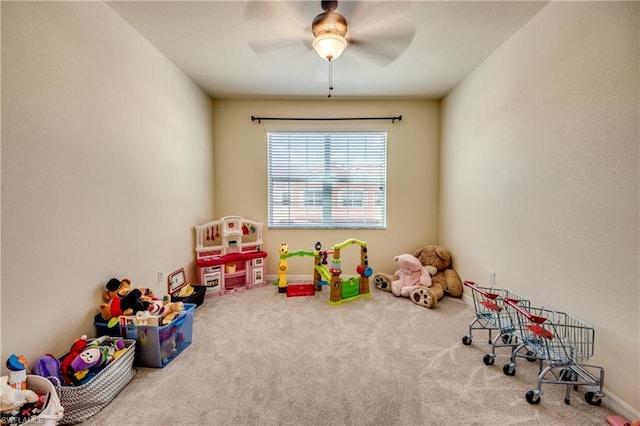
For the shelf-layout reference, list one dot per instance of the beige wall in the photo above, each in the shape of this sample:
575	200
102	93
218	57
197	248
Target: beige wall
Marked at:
106	166
540	174
412	170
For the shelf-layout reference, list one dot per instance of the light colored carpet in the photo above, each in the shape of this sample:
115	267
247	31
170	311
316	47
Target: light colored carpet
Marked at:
260	358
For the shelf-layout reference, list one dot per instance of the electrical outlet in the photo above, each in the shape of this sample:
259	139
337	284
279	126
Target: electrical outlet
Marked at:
160	277
492	278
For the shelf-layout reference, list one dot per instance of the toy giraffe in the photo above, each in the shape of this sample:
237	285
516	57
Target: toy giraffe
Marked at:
282	268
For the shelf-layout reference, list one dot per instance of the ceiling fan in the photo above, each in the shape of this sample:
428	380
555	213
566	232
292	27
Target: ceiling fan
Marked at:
378	31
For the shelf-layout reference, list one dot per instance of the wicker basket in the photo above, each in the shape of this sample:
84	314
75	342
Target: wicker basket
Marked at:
82	402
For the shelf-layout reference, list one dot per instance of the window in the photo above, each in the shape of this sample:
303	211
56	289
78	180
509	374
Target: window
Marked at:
327	179
352	198
313	197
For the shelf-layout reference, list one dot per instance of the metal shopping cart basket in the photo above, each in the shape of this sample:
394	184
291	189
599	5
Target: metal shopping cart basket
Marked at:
492	315
561	342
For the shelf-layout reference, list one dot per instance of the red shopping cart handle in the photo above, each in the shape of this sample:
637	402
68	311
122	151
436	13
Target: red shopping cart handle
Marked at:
477	289
533	318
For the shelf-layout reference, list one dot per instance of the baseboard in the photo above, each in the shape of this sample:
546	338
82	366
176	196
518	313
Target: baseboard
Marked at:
610	400
298	279
467	299
293	279
619	406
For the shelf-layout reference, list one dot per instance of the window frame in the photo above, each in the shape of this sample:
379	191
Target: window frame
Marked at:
354	191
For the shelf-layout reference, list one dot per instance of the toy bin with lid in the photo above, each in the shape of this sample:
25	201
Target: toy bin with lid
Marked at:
103	328
157	346
197	297
178	285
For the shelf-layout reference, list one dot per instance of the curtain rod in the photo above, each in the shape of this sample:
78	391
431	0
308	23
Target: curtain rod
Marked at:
259	119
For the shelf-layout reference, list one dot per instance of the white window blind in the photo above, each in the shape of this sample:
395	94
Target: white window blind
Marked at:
327	179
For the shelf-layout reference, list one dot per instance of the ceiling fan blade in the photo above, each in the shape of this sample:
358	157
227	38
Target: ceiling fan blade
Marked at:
368	17
380	31
308	43
261	47
276	13
274	25
382	49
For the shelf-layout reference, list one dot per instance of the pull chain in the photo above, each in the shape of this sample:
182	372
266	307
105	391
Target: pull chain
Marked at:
330	77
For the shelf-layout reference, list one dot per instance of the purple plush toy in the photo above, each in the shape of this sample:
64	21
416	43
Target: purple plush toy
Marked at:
96	355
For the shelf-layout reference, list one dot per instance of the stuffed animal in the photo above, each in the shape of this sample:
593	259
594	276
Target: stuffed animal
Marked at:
160	312
168	348
133	301
48	366
171	310
383	281
12	399
410	276
86	357
97	353
115	287
120	288
445	281
95	356
65	362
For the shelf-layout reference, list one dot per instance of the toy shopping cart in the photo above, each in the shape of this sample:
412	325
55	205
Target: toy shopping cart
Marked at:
561	341
492	315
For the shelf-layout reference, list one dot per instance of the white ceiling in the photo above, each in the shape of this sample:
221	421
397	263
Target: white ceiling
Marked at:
210	42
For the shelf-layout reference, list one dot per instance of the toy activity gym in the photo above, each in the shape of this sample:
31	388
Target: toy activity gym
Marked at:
341	290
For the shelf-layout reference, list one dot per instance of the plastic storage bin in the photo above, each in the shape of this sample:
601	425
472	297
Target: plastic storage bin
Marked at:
103	330
156	346
197	297
177	282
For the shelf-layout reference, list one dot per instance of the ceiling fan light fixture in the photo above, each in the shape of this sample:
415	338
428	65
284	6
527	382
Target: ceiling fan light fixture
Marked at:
329	45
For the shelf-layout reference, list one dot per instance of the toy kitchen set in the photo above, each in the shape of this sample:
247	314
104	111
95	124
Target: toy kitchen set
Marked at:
229	255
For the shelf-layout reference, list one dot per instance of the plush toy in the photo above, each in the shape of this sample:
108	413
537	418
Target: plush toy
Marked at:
133	301
146	318
115	287
120	288
440	258
86	357
156	308
96	355
12	399
410	275
383	281
171	310
48	366
445	281
65	362
168	348
159	312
